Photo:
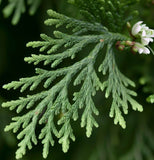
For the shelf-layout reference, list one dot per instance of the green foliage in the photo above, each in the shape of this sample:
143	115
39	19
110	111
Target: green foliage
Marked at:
143	145
116	85
108	144
147	79
110	13
78	27
151	99
54	106
18	7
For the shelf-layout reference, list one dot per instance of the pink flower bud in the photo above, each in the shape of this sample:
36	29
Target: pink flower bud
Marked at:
121	47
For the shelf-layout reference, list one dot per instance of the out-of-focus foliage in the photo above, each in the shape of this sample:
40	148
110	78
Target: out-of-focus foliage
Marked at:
18	7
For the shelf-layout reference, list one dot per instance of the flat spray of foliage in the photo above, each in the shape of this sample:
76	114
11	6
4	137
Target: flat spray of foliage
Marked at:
54	109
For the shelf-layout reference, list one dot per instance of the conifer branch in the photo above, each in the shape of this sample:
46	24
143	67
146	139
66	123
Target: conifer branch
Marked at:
116	86
44	107
77	25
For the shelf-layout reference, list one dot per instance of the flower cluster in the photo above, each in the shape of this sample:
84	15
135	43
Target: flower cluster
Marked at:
145	35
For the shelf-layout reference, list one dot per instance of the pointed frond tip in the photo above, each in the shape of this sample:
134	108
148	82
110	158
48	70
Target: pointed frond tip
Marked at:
77	26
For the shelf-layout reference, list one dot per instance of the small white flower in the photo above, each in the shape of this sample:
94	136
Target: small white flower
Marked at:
146	36
142	31
141	48
137	28
145	41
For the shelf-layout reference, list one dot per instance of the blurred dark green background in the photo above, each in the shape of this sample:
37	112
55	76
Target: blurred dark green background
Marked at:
108	141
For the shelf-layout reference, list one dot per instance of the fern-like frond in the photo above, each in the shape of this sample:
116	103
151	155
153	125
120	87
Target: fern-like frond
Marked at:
116	85
53	106
77	26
